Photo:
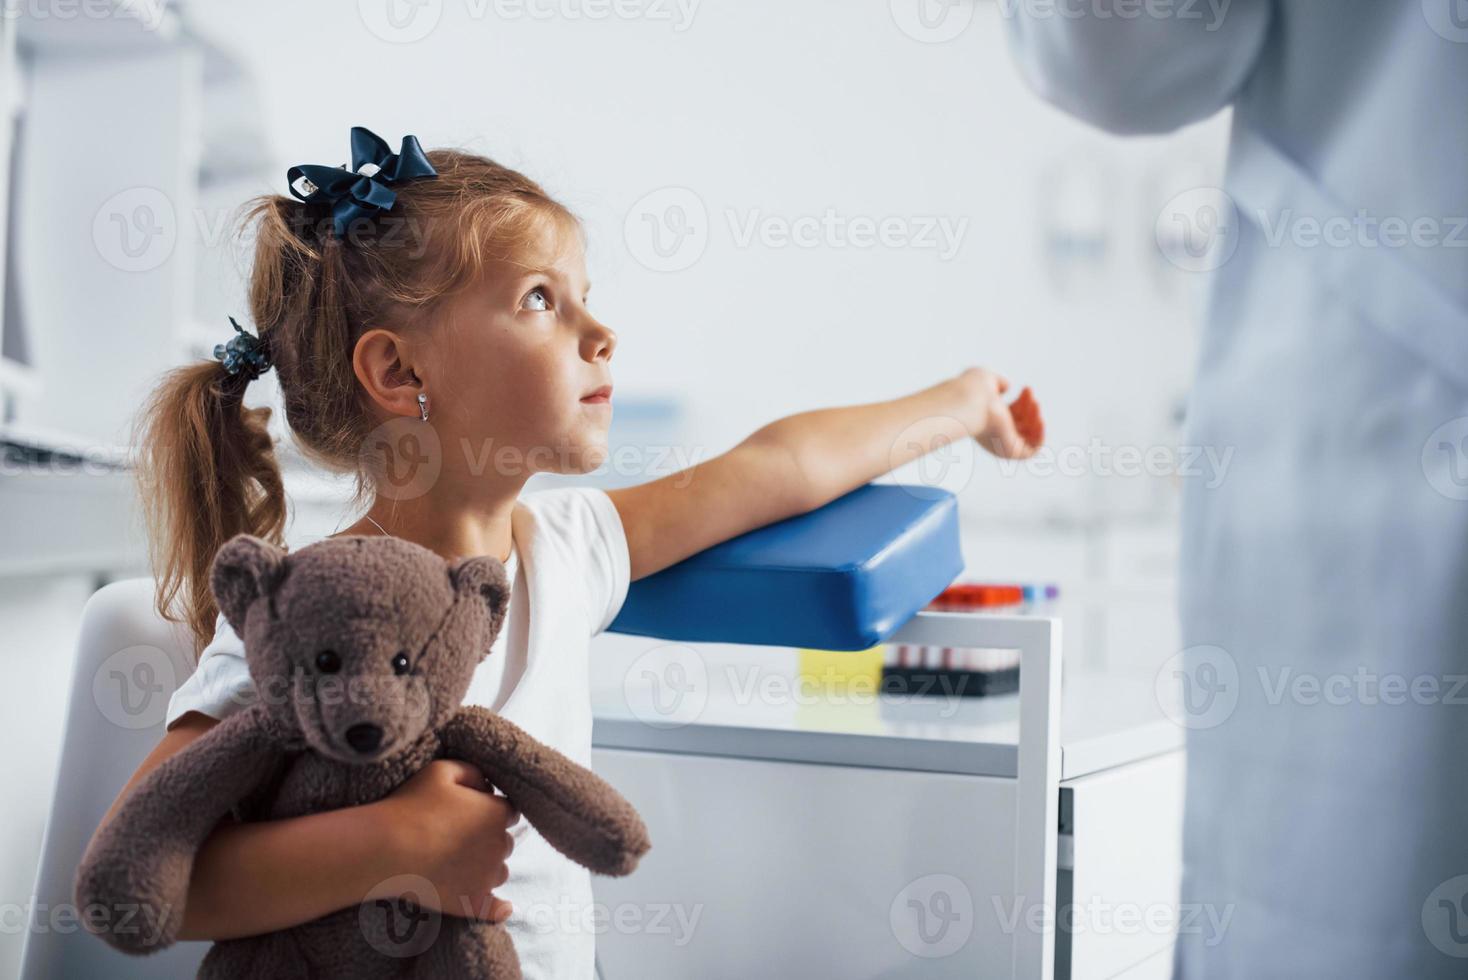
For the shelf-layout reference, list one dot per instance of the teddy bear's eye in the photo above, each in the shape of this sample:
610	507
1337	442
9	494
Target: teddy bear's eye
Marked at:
400	663
328	662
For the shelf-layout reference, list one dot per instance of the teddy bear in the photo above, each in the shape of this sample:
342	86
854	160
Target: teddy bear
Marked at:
361	650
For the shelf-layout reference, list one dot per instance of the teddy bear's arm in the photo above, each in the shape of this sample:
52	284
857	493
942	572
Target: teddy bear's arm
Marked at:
133	879
577	811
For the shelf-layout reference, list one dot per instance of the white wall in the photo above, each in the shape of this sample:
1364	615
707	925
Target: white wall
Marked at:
784	110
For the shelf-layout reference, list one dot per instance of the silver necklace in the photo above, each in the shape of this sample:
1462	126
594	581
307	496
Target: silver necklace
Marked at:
368	518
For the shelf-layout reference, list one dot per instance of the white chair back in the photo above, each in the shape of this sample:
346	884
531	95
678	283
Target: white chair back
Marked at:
128	663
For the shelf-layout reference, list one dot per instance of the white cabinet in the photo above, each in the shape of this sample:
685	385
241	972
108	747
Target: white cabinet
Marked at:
781	869
1120	868
936	838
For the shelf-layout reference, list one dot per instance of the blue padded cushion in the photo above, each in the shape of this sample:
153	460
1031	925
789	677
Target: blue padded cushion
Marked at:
842	577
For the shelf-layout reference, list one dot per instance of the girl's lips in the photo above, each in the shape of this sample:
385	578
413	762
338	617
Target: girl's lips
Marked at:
601	396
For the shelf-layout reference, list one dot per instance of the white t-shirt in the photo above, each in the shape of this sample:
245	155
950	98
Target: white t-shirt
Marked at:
569	570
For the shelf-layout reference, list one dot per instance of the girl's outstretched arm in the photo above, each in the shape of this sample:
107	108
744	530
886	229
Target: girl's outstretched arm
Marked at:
803	461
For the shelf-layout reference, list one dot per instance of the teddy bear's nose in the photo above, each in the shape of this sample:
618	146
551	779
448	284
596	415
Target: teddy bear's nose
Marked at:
364	738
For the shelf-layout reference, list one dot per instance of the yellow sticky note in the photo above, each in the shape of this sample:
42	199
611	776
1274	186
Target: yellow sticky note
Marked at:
843	669
839	690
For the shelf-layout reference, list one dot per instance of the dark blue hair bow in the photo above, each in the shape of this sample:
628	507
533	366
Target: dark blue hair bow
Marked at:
363	189
244	352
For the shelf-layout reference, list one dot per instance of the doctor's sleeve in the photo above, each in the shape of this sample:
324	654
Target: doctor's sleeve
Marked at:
1144	70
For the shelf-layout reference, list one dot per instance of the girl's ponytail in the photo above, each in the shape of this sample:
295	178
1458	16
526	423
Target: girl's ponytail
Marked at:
207	471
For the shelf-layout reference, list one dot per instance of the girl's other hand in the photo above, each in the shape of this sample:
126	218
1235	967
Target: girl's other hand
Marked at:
1012	430
447	826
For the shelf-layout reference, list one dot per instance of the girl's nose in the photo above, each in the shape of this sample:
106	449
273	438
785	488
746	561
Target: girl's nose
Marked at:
600	340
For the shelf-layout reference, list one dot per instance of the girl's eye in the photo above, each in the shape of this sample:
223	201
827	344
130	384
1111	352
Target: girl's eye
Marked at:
328	662
400	664
535	300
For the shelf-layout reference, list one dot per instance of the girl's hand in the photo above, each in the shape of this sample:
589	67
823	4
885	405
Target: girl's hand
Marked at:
1008	430
447	826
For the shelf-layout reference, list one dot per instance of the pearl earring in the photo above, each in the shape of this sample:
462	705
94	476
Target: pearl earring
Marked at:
423	405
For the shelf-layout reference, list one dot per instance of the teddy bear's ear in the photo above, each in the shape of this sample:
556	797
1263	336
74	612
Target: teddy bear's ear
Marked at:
244	569
485	579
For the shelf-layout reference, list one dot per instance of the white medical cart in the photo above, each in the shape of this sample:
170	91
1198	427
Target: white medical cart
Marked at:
885	837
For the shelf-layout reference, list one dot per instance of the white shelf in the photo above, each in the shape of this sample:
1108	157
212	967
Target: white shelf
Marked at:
1106	719
59	522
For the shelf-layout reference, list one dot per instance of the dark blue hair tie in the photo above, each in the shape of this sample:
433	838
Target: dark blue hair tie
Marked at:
364	188
244	353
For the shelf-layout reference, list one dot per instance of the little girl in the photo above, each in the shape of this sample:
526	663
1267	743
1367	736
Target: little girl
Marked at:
427	318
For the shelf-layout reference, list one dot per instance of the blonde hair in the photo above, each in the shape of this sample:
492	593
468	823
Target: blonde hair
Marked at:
207	463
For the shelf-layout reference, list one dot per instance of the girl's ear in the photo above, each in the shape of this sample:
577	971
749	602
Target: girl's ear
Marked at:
381	360
245	569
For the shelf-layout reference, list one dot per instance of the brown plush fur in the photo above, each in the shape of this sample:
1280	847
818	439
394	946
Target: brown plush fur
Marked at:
365	599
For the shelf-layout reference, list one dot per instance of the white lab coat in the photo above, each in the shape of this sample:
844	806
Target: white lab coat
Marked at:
1327	823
